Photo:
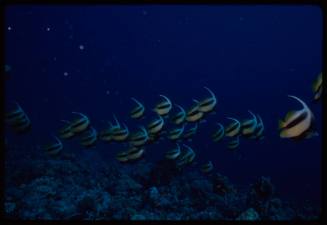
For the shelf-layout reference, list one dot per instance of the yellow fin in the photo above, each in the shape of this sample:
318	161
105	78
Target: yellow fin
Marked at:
281	124
289	115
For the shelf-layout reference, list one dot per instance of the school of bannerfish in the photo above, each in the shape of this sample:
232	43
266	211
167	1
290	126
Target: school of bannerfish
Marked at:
297	124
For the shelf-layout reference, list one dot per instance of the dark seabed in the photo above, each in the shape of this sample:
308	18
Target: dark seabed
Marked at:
94	59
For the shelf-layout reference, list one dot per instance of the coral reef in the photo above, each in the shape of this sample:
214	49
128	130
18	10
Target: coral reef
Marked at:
67	189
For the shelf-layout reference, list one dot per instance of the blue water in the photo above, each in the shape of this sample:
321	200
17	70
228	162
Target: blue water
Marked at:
93	59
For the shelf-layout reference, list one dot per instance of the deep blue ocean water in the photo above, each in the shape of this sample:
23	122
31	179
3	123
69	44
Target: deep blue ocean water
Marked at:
93	59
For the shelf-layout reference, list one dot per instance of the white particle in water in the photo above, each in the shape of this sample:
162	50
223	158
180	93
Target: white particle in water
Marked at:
107	92
48	29
81	47
65	74
9	28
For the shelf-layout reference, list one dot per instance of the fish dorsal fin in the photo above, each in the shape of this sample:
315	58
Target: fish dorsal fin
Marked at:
116	121
125	127
196	101
235	120
220	125
211	93
137	102
144	130
57	140
181	108
166	98
254	117
81	114
305	107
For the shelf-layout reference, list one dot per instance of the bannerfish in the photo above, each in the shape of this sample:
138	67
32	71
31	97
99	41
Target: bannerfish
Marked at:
219	134
258	133
187	157
134	153
207	167
138	111
298	123
176	133
233	129
234	143
208	104
119	133
139	138
163	107
80	124
249	126
53	148
122	156
156	125
89	138
66	131
193	114
106	135
18	120
190	132
174	153
179	117
317	87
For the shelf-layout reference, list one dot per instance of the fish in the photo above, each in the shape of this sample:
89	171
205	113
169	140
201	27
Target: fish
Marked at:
66	131
258	133
187	157
317	87
176	133
297	124
120	134
89	138
134	153
80	124
122	156
234	143
107	134
164	107
156	125
193	114
174	153
219	134
207	167
14	115
18	119
233	129
190	132
139	138
138	111
179	117
208	104
249	126
53	148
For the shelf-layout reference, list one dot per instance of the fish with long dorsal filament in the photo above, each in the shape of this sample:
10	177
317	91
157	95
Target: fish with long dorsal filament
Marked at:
186	158
193	114
80	124
122	156
298	123
106	135
156	125
234	128
138	111
188	134
180	116
176	133
164	107
66	131
89	138
134	153
173	153
248	126
258	133
207	167
219	134
234	143
53	148
139	138
208	104
120	134
317	87
18	119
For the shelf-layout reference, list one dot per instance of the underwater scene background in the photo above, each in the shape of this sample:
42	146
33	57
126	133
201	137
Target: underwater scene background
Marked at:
93	59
